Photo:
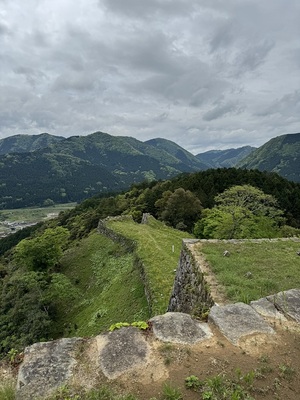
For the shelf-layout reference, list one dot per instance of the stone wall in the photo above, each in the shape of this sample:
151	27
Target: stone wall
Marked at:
190	293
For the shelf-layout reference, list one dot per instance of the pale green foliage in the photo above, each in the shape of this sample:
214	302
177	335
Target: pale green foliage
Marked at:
118	325
241	212
138	324
42	252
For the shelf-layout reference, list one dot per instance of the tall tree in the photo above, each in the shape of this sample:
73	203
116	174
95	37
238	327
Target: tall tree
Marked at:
180	208
241	212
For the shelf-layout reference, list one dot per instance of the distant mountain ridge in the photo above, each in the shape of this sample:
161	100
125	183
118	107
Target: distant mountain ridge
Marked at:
74	168
36	168
225	158
27	143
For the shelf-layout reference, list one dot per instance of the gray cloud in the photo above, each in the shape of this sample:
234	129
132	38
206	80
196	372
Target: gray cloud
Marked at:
146	9
220	110
203	73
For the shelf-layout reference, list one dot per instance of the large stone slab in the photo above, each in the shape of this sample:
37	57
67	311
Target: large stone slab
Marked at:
288	303
179	328
267	309
238	320
46	367
122	350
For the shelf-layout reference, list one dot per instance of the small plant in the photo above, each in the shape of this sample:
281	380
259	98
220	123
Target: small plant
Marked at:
221	387
171	393
287	372
264	359
141	325
265	366
118	325
138	324
193	382
12	354
216	384
249	378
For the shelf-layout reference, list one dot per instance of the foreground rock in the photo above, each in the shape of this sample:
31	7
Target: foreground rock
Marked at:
46	367
267	309
288	303
179	328
121	350
238	320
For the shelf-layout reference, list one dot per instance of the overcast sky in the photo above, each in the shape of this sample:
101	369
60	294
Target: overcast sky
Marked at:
206	74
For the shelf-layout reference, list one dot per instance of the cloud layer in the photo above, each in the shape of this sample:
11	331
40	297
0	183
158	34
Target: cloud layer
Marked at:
203	73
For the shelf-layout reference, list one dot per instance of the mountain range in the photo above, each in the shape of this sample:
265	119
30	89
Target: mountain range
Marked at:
37	168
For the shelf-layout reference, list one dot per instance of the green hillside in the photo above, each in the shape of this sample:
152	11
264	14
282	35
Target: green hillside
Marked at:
109	288
280	155
106	278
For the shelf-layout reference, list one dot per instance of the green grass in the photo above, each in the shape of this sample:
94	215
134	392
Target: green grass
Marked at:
274	267
8	390
110	288
223	387
101	393
154	247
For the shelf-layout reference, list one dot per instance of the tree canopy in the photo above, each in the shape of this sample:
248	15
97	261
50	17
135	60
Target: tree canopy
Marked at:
180	208
43	251
241	211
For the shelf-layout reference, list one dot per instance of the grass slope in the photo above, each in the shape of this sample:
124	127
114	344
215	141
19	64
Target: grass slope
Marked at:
274	267
155	243
109	288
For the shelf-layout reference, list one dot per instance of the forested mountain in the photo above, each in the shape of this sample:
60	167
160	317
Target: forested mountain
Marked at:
29	179
76	168
35	169
224	158
27	143
280	155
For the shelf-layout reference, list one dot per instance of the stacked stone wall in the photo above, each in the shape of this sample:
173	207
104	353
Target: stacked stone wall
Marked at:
190	292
